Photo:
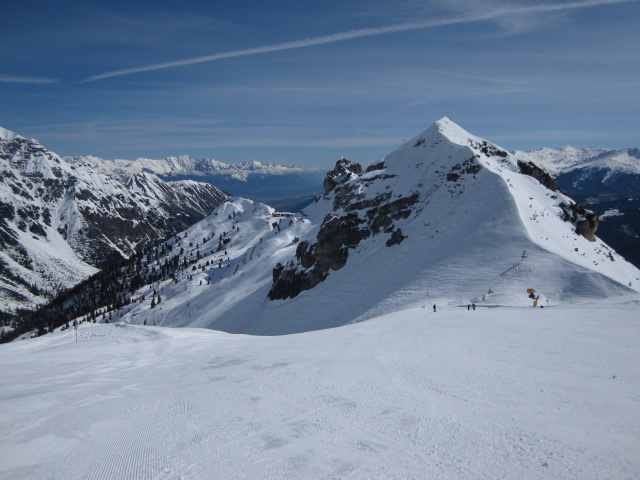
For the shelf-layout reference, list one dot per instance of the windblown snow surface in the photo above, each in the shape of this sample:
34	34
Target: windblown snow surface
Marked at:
495	393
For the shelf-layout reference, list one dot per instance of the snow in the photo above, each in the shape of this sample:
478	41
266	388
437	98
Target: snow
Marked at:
181	165
562	160
463	239
503	392
7	135
397	391
59	254
614	212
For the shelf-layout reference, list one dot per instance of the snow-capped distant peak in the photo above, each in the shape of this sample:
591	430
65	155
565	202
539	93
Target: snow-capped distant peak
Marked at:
252	165
559	160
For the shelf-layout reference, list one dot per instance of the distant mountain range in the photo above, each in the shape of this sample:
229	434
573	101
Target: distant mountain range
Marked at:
448	219
286	188
61	222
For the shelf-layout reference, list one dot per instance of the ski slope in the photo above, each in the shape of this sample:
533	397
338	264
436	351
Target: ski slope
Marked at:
502	392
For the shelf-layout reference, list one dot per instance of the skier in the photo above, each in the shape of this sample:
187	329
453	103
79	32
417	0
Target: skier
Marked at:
468	307
434	307
473	305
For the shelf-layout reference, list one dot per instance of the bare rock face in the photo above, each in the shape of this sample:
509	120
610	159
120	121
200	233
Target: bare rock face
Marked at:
344	170
586	221
396	238
330	252
355	217
531	169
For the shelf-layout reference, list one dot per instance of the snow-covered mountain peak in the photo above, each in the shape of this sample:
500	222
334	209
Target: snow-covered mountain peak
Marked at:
451	130
7	135
448	217
447	191
447	146
251	165
445	129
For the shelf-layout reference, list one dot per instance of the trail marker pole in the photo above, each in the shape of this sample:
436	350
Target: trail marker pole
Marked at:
75	327
242	326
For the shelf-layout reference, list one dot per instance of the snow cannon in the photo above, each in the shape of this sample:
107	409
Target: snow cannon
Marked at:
532	296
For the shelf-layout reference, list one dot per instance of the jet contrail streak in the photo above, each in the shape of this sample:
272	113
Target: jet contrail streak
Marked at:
360	33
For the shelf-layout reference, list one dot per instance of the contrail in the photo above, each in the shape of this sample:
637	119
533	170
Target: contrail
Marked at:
360	33
14	79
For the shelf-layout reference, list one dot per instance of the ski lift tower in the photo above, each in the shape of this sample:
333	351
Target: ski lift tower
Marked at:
522	257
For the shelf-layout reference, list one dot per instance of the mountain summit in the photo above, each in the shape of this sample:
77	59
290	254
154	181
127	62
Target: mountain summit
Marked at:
448	218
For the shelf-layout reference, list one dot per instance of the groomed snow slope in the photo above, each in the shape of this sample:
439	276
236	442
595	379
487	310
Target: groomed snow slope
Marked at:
503	392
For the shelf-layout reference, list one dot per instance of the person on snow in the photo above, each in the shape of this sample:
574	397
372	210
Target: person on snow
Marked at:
473	305
434	307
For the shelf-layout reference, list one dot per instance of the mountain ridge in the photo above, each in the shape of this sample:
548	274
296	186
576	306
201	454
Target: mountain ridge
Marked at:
182	165
448	218
61	222
284	187
561	160
605	181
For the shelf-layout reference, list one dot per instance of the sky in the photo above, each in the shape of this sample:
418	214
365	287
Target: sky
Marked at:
305	83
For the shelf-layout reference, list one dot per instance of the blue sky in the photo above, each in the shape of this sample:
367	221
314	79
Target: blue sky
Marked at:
304	83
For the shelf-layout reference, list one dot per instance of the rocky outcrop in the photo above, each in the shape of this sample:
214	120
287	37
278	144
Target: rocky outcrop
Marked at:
342	172
396	238
585	221
355	217
314	261
531	169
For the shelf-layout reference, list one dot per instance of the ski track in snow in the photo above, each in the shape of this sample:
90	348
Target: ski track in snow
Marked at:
502	392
